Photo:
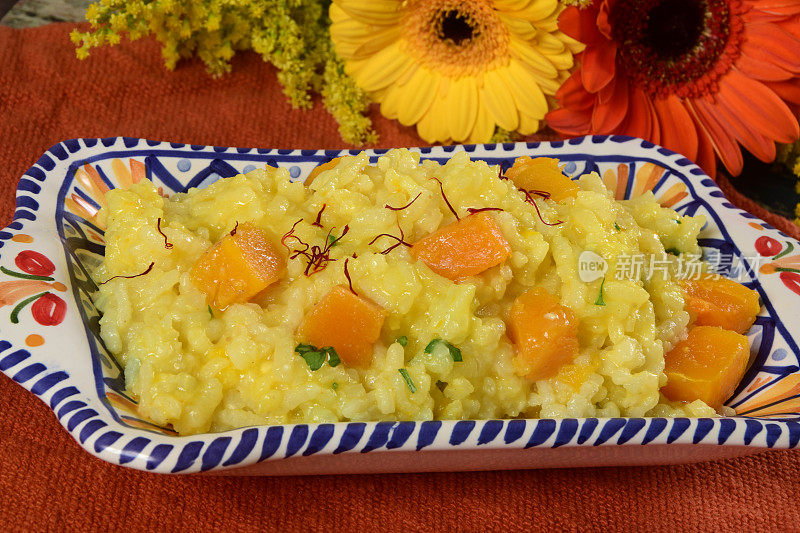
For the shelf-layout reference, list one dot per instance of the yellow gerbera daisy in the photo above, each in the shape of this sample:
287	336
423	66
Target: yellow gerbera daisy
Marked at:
455	68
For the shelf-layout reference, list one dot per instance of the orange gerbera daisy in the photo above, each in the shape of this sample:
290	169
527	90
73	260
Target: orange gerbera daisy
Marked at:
696	76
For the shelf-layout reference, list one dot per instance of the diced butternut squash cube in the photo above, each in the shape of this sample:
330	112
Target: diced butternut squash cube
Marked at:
319	169
545	333
717	301
238	267
542	174
464	248
706	366
348	323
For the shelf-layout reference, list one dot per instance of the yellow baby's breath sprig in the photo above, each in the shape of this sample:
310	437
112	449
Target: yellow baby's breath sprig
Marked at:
293	35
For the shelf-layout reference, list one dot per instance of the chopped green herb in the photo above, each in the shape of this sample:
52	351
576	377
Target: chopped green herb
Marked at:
407	378
302	348
333	357
315	357
673	251
441	385
402	341
455	353
335	385
616	227
210	311
332	241
600	300
678	221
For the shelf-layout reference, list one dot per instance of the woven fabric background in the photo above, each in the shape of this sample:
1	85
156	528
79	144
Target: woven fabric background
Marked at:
48	483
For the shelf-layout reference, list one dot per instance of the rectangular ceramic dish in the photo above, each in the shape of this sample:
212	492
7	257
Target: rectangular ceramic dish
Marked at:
50	344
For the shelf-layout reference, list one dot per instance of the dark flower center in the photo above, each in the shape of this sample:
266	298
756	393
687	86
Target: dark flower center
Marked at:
673	28
673	46
456	27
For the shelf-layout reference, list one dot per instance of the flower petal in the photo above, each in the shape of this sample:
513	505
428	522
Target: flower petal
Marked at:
376	12
527	124
417	96
533	57
706	158
788	91
678	131
598	65
781	8
548	85
377	42
527	94
611	108
484	127
382	69
722	141
390	101
640	119
462	103
519	28
527	9
761	70
570	121
769	43
757	144
573	94
758	106
549	43
581	24
433	125
499	103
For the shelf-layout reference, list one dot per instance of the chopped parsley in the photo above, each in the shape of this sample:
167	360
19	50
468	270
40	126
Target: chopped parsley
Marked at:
335	385
678	221
600	300
210	311
402	341
616	227
455	353
673	251
315	357
332	241
407	379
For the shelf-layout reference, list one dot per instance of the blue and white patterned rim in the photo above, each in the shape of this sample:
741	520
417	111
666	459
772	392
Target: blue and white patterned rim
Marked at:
74	382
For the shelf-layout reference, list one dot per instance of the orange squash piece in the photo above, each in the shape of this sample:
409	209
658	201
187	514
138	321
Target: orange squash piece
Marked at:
319	169
464	248
545	333
716	301
349	323
542	174
706	366
238	267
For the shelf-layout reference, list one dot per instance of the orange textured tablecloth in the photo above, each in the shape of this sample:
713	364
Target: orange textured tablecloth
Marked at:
48	482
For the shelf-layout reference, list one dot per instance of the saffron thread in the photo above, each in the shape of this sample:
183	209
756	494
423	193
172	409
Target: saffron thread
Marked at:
543	194
233	231
441	188
473	210
387	206
400	240
347	275
149	268
318	221
167	244
317	258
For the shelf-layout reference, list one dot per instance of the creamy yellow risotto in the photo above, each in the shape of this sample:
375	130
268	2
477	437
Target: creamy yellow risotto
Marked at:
443	348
